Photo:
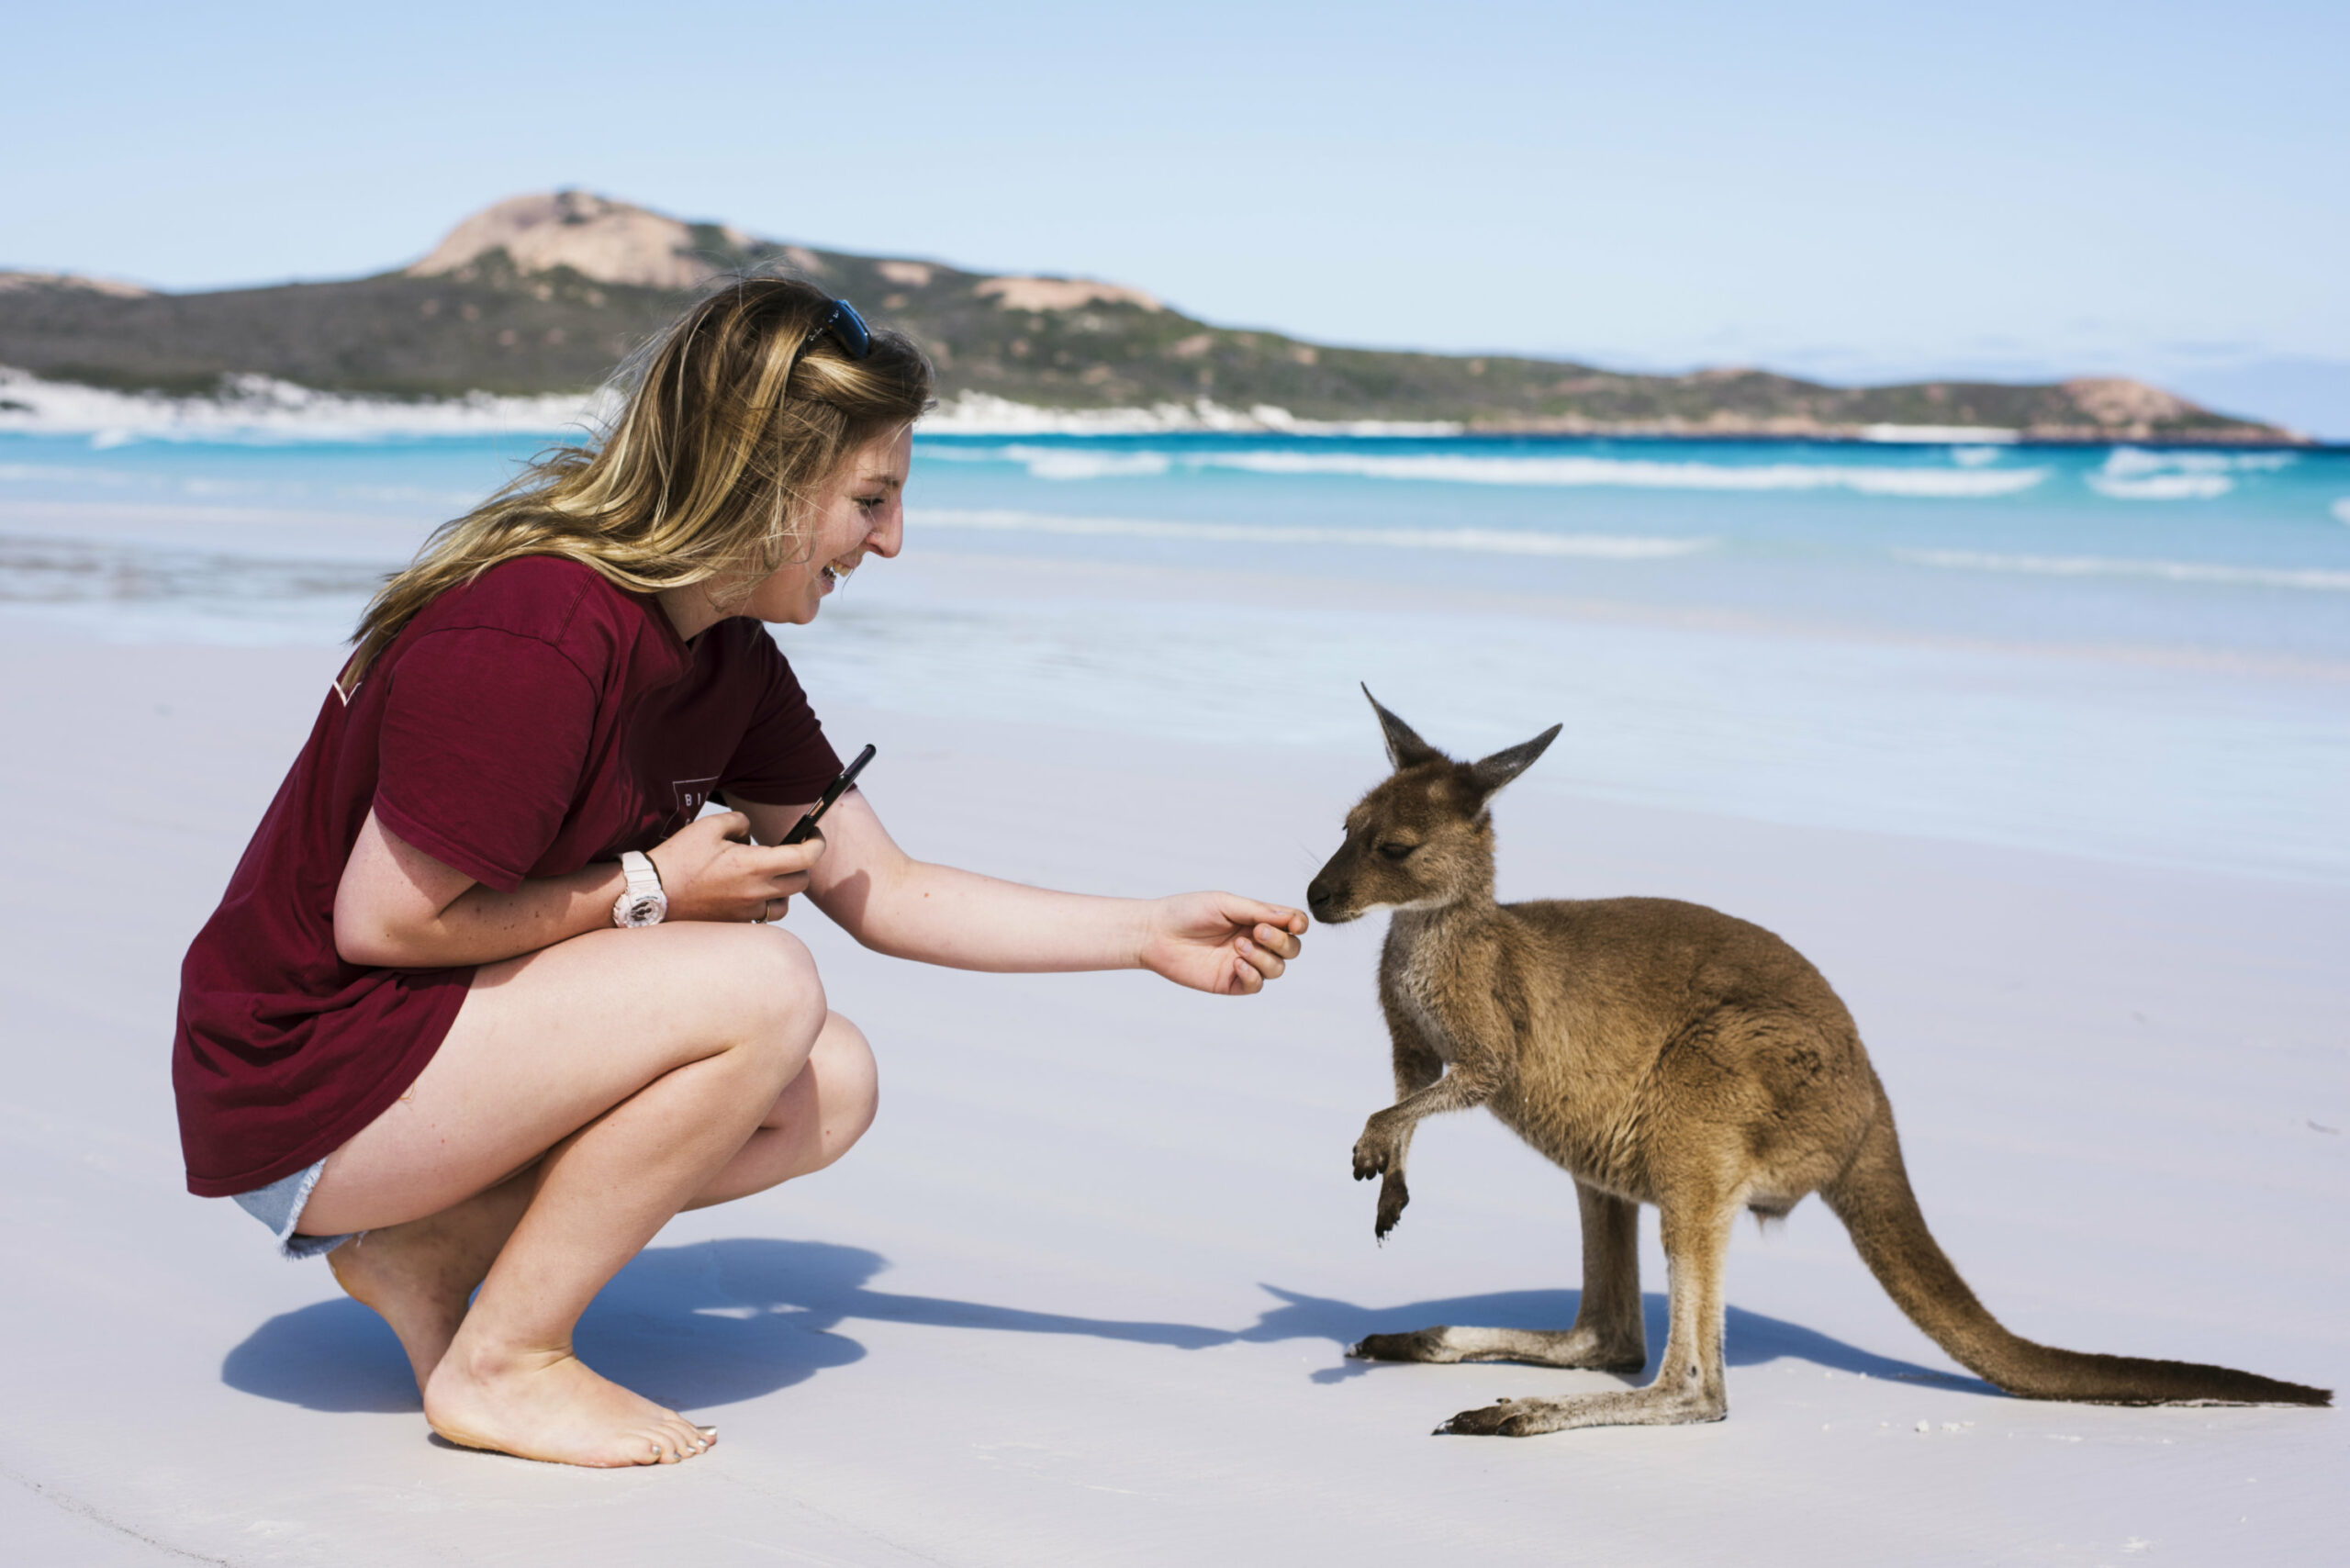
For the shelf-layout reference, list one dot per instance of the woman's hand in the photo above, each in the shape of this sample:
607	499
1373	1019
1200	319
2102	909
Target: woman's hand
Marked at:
710	871
1220	942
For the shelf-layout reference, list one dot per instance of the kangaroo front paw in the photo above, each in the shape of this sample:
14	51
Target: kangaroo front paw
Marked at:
1374	1151
1392	1196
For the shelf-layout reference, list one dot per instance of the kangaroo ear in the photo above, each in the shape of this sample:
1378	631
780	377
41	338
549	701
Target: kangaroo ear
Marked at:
1492	772
1403	747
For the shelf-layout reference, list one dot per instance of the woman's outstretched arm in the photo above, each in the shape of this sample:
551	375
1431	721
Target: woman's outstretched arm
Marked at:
910	909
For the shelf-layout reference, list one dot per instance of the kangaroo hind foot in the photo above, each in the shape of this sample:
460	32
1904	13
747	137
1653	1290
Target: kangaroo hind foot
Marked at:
1581	1348
1689	1388
1659	1404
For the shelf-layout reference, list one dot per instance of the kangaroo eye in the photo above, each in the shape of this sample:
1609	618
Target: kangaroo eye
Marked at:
1394	851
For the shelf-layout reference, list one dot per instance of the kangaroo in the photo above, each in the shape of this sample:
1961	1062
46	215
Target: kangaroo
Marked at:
1661	1053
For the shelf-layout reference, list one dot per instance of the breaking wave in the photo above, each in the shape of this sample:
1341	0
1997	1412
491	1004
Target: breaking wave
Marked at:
2124	462
2139	473
2314	578
1974	481
2162	487
1475	540
1647	473
1061	462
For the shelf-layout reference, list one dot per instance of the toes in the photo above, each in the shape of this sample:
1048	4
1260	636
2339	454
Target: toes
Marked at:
1500	1419
681	1437
666	1439
1415	1346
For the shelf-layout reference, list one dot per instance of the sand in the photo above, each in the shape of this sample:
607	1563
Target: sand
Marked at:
1081	1296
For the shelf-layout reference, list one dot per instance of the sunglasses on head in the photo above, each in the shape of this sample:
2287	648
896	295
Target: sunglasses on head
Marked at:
847	328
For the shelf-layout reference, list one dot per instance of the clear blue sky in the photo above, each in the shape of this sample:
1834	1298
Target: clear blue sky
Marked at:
1854	190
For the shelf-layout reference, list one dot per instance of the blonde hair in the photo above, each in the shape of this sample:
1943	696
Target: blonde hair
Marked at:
731	421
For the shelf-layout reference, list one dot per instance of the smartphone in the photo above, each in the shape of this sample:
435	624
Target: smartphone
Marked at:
833	791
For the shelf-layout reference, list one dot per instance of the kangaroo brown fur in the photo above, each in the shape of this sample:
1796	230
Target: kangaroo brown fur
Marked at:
1663	1053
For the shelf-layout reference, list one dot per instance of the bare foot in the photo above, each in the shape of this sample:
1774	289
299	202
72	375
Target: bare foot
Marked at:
419	1276
547	1405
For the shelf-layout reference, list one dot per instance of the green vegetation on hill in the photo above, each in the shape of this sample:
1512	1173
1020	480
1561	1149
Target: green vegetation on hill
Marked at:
490	327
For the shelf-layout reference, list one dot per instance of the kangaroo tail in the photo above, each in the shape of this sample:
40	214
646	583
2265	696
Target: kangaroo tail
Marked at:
1872	1196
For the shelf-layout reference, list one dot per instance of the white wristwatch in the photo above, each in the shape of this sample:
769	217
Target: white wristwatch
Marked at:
644	903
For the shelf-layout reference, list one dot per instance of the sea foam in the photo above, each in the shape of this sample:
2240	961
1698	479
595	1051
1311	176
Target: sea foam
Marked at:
2127	462
2121	566
1645	474
1974	481
2141	474
1061	462
2162	487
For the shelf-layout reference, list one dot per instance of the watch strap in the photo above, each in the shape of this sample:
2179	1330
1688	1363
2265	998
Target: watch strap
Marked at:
642	901
643	879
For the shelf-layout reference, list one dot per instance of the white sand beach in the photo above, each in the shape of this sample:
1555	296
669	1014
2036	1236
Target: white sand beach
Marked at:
1904	451
1083	1294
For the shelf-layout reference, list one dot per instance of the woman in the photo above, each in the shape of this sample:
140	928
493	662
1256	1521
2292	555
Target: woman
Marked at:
487	1000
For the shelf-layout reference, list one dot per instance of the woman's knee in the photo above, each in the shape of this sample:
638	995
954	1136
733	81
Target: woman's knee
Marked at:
848	1085
757	995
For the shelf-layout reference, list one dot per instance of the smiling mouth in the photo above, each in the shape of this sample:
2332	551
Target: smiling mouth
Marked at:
837	572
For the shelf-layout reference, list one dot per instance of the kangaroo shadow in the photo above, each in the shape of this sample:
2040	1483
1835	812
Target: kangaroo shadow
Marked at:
693	1326
1750	1339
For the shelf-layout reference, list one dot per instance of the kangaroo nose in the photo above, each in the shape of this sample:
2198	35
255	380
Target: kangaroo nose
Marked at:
1317	897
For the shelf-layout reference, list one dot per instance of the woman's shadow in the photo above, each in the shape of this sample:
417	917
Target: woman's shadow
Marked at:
694	1326
712	1323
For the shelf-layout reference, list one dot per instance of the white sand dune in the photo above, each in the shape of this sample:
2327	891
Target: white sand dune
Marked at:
1080	1298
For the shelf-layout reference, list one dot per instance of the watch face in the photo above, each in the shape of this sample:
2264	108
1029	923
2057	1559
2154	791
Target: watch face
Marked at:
643	910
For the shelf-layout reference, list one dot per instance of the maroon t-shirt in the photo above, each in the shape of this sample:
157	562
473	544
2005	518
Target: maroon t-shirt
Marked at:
530	723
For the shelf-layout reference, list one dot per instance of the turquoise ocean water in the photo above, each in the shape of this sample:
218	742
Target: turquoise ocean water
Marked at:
2125	652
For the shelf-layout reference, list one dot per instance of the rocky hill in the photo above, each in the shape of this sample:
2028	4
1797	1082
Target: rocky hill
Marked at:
544	293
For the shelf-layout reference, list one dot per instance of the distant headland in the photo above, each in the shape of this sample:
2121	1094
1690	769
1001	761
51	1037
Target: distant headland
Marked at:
542	294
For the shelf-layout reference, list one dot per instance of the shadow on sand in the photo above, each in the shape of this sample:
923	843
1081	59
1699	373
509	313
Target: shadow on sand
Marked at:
714	1321
1750	1339
695	1326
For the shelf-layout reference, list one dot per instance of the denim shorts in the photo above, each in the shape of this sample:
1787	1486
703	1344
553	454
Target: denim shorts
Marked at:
279	1206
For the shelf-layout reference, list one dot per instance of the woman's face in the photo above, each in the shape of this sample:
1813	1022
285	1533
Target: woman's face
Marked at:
860	512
